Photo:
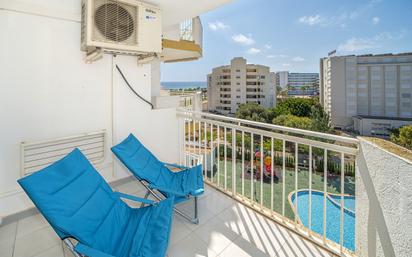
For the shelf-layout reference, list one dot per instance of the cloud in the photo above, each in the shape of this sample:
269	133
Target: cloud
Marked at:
253	51
375	20
323	21
342	19
243	40
267	46
298	59
363	9
311	20
272	56
356	44
286	64
218	25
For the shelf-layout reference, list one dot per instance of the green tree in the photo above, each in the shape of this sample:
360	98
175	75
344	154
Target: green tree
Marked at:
315	84
320	119
254	112
279	90
304	88
293	121
295	106
402	136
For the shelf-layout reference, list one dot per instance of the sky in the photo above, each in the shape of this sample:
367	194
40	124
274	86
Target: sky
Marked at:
294	34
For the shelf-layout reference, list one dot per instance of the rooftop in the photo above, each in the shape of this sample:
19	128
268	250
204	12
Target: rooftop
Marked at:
381	118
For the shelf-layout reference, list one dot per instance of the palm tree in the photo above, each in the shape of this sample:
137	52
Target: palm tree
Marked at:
304	88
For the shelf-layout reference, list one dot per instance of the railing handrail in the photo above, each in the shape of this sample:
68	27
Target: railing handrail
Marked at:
342	139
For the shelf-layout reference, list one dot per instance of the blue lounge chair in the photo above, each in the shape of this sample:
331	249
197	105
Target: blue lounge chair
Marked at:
80	205
157	176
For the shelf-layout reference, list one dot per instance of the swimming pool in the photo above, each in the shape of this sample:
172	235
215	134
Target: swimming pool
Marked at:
333	213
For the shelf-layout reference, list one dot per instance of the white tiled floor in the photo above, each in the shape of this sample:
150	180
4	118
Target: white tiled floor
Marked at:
227	228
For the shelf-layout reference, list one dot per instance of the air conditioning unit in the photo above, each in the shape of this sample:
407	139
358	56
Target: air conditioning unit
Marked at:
120	26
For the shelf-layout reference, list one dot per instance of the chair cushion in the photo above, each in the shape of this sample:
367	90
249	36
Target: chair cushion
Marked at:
78	203
145	166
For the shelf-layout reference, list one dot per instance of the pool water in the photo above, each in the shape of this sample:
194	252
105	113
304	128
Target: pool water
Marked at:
333	213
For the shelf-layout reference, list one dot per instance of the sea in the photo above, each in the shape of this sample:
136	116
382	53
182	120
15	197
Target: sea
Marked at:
184	85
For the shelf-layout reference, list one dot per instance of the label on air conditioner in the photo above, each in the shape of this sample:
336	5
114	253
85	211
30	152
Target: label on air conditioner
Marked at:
150	14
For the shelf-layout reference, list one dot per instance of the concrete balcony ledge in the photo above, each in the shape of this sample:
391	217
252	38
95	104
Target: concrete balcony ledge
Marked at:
164	102
383	200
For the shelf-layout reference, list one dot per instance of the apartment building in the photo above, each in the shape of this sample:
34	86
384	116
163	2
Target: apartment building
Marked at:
282	78
298	84
238	83
298	80
367	91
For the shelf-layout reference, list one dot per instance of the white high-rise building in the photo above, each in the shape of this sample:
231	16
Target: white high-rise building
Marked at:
238	83
370	93
282	78
295	79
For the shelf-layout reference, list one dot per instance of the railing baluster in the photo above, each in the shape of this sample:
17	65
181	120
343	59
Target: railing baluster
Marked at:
234	161
252	175
194	135
205	149
200	137
225	163
218	155
325	184
272	171
243	163
212	153
342	199
261	171
189	135
296	181
310	189
283	176
184	142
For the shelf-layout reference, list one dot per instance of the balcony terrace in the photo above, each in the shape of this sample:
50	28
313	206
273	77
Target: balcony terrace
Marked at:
227	228
243	214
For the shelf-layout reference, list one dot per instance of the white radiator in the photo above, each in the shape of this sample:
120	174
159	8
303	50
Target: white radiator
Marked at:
37	155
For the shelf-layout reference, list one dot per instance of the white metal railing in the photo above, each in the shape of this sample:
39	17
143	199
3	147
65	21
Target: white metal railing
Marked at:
265	166
191	101
192	30
186	30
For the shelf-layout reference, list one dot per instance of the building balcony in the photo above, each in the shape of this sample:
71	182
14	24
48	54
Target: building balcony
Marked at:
271	191
183	42
227	228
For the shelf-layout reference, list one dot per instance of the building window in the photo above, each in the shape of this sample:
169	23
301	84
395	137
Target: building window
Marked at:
238	96
237	70
380	129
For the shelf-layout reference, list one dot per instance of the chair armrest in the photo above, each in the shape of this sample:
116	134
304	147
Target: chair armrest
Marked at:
135	198
90	252
167	190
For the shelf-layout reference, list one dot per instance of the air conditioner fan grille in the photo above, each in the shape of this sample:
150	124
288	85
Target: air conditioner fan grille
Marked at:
115	22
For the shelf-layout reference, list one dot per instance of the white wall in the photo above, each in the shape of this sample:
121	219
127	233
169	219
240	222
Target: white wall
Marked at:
47	91
157	129
383	203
